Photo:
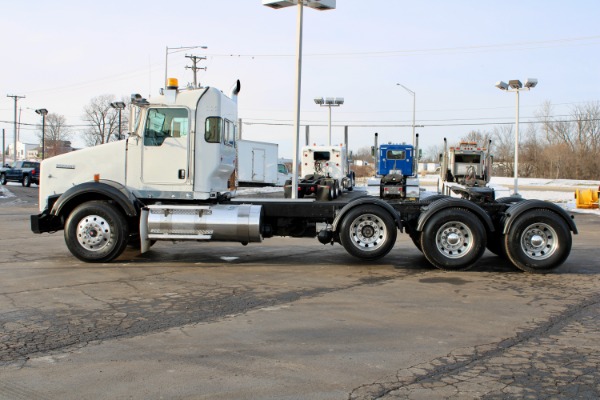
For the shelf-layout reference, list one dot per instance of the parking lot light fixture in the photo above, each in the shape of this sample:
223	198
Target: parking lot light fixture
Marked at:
517	87
329	102
318	5
119	105
43	112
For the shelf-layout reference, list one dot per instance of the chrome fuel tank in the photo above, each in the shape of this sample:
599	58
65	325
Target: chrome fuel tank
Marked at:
237	223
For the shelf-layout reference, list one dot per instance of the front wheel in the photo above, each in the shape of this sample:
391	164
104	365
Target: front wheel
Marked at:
453	239
538	241
3	179
368	232
96	231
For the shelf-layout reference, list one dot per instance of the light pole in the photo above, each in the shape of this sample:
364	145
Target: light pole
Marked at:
329	102
16	99
119	105
516	86
319	5
414	139
43	112
174	50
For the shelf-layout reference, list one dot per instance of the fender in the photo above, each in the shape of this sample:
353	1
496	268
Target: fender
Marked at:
453	202
367	200
101	190
513	212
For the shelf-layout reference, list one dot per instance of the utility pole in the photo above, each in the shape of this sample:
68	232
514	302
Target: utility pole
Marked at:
16	98
3	148
195	67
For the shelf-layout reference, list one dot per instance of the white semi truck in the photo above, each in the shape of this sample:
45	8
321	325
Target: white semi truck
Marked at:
467	165
325	173
168	181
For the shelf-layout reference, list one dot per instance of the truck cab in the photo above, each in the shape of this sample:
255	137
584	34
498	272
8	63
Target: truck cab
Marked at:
325	172
397	172
466	170
181	146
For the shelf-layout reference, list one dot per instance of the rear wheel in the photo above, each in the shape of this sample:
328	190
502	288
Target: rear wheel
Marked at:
453	239
538	241
27	181
96	231
3	179
368	232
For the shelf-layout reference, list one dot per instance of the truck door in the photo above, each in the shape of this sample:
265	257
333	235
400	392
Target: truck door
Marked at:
165	153
258	165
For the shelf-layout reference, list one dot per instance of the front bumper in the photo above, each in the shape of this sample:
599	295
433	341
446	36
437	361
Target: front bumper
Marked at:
45	222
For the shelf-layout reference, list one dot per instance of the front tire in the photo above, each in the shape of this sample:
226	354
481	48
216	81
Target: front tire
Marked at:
453	239
538	241
96	231
368	232
3	179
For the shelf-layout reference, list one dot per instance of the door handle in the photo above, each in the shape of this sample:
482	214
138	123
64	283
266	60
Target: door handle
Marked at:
182	174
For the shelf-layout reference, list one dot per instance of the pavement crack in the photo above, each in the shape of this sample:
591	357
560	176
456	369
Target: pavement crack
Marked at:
473	364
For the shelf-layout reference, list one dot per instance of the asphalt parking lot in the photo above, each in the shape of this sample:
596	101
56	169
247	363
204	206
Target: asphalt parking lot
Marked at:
289	319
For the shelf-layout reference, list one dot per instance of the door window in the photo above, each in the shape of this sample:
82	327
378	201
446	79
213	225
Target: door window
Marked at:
165	122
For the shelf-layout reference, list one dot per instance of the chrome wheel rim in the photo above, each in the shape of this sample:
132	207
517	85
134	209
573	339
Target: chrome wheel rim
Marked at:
94	233
538	241
368	232
454	239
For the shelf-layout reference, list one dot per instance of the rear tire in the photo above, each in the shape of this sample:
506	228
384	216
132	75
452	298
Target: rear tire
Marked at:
538	241
3	179
453	239
368	232
27	181
96	231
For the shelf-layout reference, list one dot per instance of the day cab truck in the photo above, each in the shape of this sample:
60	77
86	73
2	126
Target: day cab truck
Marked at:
396	169
325	173
168	181
466	169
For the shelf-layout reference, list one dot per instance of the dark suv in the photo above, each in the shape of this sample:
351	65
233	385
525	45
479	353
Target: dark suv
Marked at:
26	172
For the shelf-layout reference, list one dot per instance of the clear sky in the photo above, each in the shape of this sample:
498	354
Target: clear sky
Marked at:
61	54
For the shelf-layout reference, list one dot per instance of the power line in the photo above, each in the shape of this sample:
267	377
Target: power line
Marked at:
440	50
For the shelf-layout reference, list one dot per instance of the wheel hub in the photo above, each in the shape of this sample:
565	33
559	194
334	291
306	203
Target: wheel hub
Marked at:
538	241
93	233
454	239
368	232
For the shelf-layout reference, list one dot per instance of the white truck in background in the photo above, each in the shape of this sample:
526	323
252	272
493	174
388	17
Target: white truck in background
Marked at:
325	172
257	163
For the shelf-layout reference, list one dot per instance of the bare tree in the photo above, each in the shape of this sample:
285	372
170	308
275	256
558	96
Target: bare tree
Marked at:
56	135
432	154
577	139
503	150
103	120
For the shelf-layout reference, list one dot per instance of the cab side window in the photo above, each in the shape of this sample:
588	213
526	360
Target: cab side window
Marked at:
229	134
212	133
165	122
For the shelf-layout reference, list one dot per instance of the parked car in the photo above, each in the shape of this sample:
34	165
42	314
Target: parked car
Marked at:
26	172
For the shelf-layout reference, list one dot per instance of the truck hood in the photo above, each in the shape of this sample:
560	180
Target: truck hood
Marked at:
61	172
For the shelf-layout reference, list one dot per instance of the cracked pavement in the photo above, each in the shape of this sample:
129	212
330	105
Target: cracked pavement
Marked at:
290	319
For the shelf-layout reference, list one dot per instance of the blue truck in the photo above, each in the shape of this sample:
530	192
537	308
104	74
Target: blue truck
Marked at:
396	165
24	172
